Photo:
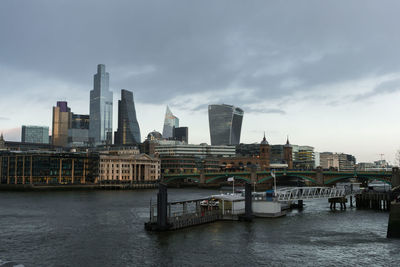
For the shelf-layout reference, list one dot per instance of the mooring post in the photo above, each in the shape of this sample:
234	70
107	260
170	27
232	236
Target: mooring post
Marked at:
248	202
162	203
394	221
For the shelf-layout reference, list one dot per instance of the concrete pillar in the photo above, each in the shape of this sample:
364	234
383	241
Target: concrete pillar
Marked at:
23	170
73	171
319	176
253	175
30	171
60	171
394	221
202	177
15	170
395	177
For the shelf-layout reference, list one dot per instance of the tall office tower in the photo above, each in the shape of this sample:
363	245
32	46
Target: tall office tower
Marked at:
128	131
78	133
61	123
170	121
181	134
101	108
225	124
35	134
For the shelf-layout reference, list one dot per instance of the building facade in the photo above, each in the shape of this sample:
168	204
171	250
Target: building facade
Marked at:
239	163
170	121
337	161
61	124
101	108
128	131
201	151
181	134
41	168
225	123
78	133
35	134
303	157
123	167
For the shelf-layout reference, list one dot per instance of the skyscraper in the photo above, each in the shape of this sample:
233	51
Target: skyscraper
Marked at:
170	121
225	124
61	123
128	131
180	134
35	134
101	107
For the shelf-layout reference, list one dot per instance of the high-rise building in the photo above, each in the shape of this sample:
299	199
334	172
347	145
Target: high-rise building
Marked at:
78	133
170	121
128	131
225	124
61	123
339	161
35	134
101	108
181	134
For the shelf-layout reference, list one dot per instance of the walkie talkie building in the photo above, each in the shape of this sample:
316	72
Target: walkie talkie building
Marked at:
225	124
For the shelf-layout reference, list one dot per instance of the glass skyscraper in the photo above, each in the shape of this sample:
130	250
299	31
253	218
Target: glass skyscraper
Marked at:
61	123
225	124
101	108
35	134
170	122
128	131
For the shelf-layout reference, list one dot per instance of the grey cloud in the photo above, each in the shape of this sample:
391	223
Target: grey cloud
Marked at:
4	119
265	110
383	88
162	49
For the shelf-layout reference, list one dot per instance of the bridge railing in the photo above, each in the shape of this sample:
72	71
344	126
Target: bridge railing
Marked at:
301	193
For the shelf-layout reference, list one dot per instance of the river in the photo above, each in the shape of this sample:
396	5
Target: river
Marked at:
106	228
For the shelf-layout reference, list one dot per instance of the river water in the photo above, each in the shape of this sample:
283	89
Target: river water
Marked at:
106	228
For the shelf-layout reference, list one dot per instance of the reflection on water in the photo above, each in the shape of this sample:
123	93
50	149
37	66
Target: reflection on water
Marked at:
105	228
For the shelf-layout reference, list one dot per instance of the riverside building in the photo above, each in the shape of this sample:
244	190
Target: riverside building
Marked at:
122	166
45	167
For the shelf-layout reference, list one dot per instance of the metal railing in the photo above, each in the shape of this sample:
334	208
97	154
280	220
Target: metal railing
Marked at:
302	193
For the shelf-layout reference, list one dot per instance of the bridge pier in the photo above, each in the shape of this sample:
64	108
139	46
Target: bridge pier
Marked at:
319	176
395	177
202	177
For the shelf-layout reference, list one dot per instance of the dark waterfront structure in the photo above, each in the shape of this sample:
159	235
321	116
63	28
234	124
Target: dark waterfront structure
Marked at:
128	131
101	108
40	168
170	121
181	134
225	124
35	134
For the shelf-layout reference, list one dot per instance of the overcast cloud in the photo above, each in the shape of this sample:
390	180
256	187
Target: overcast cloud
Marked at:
293	66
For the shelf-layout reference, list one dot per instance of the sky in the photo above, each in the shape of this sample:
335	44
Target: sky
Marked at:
326	73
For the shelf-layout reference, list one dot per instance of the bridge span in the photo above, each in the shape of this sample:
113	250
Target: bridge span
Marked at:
317	177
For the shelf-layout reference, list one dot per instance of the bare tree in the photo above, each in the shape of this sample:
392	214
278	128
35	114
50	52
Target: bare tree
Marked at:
397	158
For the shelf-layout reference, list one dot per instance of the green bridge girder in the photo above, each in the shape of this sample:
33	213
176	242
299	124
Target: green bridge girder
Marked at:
265	176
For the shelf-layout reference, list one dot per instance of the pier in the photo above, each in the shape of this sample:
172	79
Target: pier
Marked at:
374	200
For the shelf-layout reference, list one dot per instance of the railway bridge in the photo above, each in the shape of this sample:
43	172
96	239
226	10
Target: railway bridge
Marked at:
317	177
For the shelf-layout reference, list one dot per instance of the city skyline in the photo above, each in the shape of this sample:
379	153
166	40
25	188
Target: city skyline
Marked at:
317	82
